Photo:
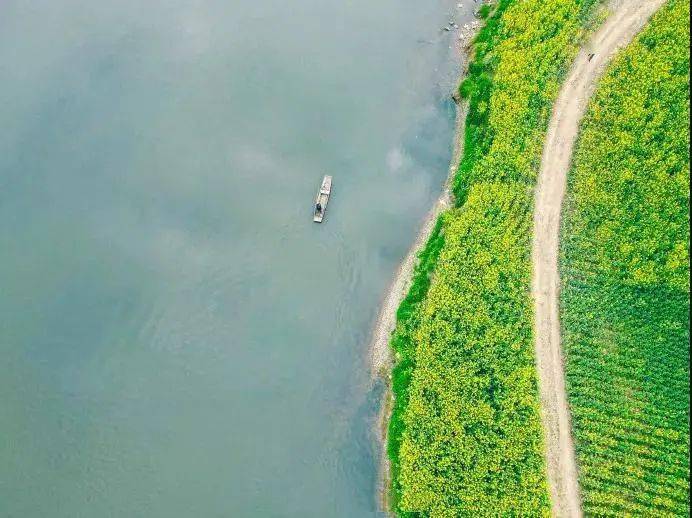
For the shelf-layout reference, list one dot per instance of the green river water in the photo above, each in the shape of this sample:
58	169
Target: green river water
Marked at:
177	337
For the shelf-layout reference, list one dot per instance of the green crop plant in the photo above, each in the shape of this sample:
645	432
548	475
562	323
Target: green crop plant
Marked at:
625	270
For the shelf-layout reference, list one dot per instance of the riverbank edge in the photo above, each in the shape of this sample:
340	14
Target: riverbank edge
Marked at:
382	359
585	19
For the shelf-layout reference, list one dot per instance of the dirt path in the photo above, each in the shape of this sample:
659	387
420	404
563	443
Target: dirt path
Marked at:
627	19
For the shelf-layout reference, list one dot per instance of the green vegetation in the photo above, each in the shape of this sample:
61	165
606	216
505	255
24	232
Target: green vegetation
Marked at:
625	270
465	437
473	440
521	54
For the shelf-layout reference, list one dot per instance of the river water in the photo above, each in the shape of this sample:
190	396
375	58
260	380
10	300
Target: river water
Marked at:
177	337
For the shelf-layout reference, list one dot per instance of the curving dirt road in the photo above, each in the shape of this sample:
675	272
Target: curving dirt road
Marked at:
627	19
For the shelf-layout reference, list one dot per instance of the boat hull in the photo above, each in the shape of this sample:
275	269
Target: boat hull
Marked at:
322	199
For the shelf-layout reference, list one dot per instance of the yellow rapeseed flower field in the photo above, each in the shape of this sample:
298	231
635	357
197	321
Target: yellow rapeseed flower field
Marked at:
465	437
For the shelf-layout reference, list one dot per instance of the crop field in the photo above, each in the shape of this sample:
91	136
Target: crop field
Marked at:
625	272
465	436
473	440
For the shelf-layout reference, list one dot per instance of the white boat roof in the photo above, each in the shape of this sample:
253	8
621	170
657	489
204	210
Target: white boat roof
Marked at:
326	185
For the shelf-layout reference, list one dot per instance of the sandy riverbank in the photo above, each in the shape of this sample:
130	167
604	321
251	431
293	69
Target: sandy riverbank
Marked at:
381	357
380	352
382	360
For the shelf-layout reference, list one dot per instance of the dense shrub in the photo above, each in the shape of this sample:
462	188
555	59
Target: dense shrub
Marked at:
625	269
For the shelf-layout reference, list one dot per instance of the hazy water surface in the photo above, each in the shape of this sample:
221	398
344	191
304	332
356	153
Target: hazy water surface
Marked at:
177	337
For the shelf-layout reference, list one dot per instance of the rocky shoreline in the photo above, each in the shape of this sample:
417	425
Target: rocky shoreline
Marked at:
381	358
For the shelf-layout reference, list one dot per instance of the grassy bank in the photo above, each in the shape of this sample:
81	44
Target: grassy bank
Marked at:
465	437
625	270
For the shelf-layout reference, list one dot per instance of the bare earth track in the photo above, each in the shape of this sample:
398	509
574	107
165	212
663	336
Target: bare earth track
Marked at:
627	19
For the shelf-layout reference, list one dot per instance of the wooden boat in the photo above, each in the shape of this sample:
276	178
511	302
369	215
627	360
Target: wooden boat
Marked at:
322	199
